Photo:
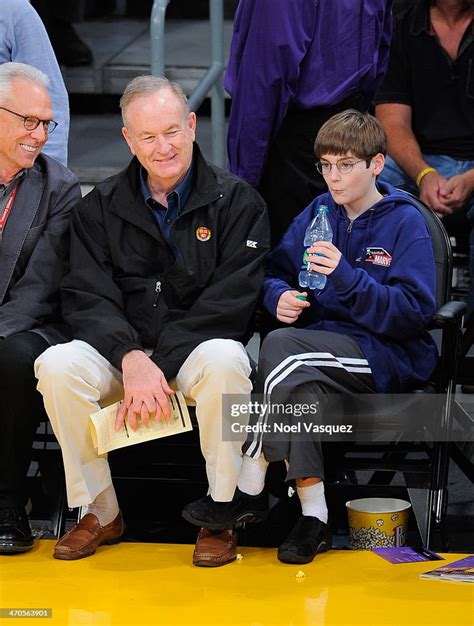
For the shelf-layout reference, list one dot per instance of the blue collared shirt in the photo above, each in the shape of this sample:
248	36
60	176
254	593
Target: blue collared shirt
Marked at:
166	217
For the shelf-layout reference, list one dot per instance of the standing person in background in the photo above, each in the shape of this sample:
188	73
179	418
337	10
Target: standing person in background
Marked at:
58	16
292	66
23	39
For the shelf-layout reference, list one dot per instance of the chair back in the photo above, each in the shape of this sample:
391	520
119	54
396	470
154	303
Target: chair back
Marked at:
442	251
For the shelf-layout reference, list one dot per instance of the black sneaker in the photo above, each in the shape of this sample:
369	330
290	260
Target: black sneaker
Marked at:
15	531
207	513
308	537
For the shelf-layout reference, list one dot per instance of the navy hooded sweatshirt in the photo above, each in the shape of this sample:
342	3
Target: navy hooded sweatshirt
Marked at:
382	293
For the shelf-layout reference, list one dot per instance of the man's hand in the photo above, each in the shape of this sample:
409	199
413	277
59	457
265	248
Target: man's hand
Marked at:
324	257
289	307
431	193
456	191
146	391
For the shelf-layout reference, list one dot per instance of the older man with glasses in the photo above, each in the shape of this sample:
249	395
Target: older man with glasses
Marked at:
32	123
36	196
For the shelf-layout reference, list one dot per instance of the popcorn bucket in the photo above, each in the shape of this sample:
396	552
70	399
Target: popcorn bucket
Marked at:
377	522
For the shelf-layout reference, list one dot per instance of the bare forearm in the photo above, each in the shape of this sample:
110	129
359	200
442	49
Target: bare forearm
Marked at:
403	146
404	149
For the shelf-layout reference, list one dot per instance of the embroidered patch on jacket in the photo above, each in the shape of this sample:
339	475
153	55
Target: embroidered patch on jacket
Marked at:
203	233
378	256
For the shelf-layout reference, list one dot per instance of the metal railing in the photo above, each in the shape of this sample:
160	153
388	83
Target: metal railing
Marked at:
211	81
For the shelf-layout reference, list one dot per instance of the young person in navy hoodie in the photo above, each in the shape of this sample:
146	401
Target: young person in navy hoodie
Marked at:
363	333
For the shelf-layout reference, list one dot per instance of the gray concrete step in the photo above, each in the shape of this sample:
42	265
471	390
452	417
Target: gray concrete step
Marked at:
121	49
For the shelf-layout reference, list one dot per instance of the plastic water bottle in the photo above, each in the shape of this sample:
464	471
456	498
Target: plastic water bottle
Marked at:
319	230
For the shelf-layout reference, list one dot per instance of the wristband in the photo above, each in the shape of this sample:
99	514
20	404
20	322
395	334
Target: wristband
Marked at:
423	173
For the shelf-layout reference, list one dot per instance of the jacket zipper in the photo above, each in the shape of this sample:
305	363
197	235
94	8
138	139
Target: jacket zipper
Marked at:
348	231
157	293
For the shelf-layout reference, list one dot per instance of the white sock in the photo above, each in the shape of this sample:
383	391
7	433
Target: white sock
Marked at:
252	475
313	501
105	507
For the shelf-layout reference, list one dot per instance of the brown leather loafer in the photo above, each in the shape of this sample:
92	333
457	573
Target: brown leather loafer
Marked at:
86	536
215	547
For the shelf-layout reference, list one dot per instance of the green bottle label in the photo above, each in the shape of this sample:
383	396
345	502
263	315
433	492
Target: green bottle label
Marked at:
305	260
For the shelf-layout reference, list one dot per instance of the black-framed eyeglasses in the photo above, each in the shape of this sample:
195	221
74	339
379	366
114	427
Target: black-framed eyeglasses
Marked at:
31	123
344	166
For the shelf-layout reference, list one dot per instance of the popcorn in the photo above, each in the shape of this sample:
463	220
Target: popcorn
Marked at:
369	538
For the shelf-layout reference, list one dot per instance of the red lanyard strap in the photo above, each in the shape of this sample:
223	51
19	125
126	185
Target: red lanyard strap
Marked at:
7	209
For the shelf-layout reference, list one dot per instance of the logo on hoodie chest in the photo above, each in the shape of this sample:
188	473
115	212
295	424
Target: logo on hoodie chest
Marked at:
378	256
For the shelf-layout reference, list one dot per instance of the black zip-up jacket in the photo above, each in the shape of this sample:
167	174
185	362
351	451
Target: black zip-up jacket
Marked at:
126	291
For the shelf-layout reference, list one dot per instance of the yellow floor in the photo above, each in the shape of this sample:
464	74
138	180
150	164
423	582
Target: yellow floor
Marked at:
148	584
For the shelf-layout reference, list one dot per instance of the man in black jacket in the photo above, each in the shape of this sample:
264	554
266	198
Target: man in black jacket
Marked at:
36	197
166	269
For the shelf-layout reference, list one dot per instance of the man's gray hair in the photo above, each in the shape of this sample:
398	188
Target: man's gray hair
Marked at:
10	71
147	85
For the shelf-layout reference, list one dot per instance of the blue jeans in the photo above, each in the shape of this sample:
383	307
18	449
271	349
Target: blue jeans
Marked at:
447	167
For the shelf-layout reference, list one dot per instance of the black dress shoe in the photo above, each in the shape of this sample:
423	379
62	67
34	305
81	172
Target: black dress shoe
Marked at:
15	531
308	537
207	513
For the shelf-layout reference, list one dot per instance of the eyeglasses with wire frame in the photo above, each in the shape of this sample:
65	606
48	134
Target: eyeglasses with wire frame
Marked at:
31	123
343	165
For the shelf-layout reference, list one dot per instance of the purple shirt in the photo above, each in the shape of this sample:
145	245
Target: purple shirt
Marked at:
298	53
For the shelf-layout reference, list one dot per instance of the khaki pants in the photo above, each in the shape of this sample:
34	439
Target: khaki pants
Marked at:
76	380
